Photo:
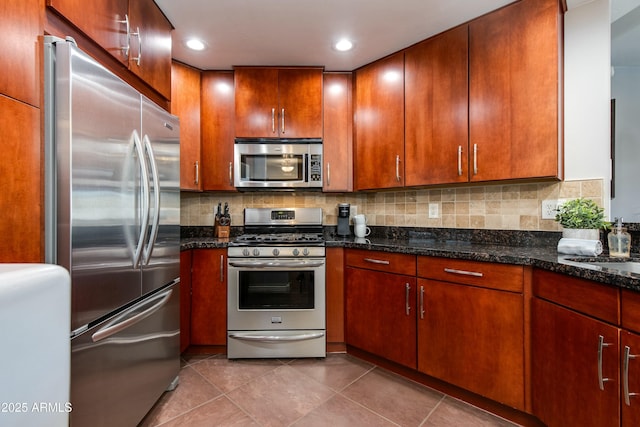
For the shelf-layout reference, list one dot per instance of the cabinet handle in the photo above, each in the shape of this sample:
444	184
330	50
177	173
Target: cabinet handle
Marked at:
601	346
398	168
421	302
475	159
197	173
273	120
221	268
377	261
125	49
282	117
407	289
625	374
459	160
328	174
463	272
139	36
231	174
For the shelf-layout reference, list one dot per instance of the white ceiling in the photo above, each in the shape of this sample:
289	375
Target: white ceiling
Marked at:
301	32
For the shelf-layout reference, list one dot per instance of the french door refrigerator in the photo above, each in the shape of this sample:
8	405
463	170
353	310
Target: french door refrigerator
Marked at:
113	220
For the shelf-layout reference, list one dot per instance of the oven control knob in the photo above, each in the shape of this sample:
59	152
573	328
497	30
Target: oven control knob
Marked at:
296	252
256	252
246	252
305	252
276	252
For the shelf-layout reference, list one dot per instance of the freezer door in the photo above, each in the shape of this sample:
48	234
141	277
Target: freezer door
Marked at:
97	160
123	365
161	255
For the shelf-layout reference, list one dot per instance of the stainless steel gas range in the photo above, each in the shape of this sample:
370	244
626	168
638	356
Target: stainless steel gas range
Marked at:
276	285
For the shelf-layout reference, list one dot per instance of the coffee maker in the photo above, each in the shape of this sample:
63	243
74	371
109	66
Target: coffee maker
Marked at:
343	219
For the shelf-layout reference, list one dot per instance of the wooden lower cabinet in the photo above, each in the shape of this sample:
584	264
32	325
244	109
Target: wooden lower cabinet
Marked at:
185	300
566	361
335	299
209	297
473	337
381	314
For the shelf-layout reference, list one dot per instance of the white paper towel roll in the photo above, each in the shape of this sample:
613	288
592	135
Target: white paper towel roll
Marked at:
580	247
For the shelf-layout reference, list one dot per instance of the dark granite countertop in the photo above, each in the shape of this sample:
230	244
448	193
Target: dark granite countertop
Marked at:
541	253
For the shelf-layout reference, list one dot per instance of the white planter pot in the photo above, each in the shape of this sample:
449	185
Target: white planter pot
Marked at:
581	233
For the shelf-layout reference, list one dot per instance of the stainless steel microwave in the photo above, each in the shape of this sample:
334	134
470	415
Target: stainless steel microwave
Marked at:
283	164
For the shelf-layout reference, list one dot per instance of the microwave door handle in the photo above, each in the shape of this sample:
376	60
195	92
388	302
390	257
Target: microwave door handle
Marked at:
305	170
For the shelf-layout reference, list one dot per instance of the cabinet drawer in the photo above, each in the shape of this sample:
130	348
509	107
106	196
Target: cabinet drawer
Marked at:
590	298
503	277
630	310
382	261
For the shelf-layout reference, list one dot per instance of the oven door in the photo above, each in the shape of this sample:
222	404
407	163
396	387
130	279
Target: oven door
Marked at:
276	294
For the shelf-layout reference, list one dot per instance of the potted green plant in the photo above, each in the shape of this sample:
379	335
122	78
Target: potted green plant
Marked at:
581	219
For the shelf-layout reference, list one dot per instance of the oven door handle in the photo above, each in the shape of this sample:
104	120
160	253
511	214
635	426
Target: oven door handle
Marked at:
277	338
276	264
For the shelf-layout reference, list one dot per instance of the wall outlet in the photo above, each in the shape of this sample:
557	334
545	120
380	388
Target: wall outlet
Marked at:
353	211
433	210
550	208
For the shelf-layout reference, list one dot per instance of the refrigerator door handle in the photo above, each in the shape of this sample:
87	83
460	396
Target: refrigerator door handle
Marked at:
156	201
118	324
145	198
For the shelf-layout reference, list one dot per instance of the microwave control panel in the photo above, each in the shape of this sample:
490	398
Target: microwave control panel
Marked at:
315	168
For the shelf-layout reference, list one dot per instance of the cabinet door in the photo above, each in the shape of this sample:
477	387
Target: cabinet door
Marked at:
185	103
630	348
436	118
379	124
300	102
150	55
185	300
21	171
381	314
337	143
256	98
566	360
20	26
217	130
209	297
473	338
335	298
103	21
514	86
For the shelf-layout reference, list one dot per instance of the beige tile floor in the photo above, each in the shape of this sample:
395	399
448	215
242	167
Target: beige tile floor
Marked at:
337	391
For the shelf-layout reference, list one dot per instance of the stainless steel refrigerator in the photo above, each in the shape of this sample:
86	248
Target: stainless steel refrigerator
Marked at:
113	220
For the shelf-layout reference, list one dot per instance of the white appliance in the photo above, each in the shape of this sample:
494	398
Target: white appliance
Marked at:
34	358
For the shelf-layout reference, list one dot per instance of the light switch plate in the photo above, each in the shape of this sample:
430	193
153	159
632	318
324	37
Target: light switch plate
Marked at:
433	210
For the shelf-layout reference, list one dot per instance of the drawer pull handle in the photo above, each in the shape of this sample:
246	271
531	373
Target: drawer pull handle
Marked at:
463	272
377	261
601	346
625	374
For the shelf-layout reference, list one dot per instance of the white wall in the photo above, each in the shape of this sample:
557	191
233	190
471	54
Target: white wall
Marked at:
587	90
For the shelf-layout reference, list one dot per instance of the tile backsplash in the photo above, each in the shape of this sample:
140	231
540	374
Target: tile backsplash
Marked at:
499	206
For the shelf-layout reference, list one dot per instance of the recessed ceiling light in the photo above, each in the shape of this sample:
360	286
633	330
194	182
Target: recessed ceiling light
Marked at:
195	44
343	45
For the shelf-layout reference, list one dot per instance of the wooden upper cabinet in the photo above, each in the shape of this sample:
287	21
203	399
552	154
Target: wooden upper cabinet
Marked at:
146	50
102	21
20	25
379	124
150	51
278	102
185	103
337	144
514	92
436	117
218	110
